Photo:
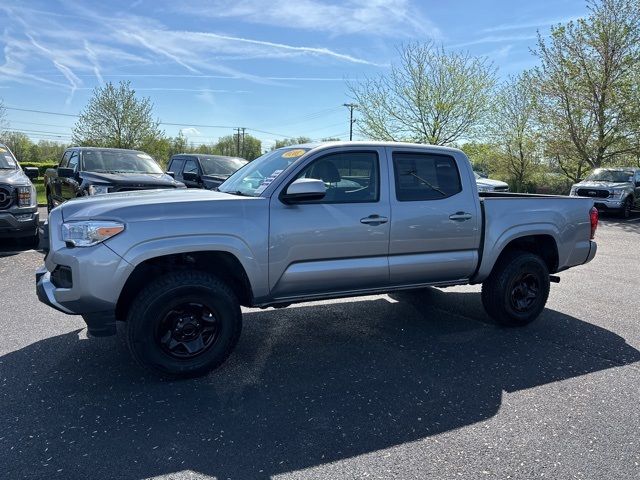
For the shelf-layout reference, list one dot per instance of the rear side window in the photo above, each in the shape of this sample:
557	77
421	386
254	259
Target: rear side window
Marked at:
423	176
176	165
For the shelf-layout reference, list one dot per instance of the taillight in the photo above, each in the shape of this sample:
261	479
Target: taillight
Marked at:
593	217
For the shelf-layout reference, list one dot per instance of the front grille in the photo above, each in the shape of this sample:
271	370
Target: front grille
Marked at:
6	197
592	192
501	189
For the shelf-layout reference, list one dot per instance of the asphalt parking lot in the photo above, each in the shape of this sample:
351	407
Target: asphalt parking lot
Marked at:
411	385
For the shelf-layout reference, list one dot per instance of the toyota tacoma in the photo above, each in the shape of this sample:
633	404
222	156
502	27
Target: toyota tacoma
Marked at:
308	222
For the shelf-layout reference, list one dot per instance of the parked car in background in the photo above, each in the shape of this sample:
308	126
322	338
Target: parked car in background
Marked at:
18	201
613	189
92	171
204	171
303	223
489	185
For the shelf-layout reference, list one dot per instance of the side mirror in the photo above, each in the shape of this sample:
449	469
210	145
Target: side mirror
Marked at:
304	189
64	172
31	172
191	177
171	174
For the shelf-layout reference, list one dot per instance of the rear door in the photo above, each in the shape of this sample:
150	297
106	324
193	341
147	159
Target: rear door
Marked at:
339	243
435	226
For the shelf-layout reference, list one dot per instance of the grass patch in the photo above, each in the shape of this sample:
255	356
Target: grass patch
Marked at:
42	197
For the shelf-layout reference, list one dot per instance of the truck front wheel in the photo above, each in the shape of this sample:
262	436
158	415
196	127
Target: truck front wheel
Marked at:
183	324
517	290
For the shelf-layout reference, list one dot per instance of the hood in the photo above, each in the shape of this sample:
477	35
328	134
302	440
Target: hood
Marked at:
145	204
601	184
490	182
14	177
131	179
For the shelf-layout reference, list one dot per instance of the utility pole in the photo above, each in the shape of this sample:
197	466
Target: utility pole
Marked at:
237	141
243	129
351	106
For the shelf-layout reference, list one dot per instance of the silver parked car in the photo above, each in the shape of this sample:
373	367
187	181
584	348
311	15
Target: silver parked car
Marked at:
490	185
614	189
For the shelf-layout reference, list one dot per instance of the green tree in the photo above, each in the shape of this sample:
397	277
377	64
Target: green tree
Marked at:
431	96
482	155
18	143
286	142
514	132
588	85
115	117
233	146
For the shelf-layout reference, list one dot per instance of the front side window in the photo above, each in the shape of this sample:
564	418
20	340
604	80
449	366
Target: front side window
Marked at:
73	161
65	159
176	166
423	176
190	166
350	177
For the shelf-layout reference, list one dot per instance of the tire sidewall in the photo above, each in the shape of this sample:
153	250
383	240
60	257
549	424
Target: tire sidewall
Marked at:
143	338
520	265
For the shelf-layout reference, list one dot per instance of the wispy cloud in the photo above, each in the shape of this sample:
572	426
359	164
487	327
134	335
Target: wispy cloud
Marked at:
190	132
529	24
392	18
495	39
38	38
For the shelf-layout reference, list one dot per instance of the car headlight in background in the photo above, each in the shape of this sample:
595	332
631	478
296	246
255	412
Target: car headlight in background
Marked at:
26	196
617	193
87	234
98	189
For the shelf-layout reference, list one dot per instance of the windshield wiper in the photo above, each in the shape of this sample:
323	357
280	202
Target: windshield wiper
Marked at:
414	174
237	192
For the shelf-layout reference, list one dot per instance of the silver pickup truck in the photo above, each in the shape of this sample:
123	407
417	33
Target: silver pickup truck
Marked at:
302	223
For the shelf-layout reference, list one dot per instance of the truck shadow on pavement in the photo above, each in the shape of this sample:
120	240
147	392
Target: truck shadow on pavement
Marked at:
306	386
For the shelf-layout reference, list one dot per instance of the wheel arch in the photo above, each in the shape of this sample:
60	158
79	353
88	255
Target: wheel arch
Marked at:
224	265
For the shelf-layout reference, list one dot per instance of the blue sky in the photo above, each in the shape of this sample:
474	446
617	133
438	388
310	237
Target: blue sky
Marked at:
276	66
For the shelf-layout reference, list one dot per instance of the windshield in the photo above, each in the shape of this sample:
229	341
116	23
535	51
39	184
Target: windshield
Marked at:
255	177
616	176
7	162
113	161
221	166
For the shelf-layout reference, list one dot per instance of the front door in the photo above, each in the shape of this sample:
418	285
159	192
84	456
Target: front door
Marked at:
435	228
339	243
69	186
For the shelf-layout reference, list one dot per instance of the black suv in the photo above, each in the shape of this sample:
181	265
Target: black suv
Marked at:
92	171
204	171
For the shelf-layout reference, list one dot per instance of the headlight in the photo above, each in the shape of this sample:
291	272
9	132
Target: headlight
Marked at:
617	193
87	234
26	196
98	189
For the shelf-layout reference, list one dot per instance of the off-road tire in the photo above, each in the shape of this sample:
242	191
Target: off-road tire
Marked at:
500	294
164	294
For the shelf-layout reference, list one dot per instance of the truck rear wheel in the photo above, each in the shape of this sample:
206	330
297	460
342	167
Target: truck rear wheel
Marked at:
183	324
517	290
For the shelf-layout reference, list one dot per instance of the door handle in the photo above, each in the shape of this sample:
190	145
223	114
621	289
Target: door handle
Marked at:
374	220
460	216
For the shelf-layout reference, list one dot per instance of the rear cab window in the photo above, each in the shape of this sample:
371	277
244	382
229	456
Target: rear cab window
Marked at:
425	176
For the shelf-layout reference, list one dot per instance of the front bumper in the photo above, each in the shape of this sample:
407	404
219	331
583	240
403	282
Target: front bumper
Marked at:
12	227
606	204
